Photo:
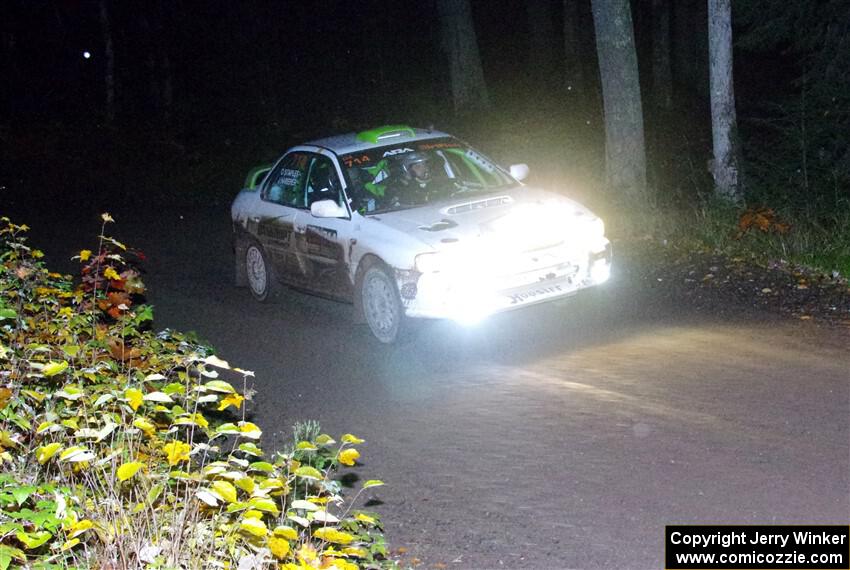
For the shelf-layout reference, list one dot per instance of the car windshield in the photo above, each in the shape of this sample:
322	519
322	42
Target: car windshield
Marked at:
412	174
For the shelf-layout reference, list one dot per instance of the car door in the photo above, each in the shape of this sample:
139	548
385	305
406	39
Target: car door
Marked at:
321	244
282	196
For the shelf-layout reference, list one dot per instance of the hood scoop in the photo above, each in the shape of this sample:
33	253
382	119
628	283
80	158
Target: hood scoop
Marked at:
439	226
479	205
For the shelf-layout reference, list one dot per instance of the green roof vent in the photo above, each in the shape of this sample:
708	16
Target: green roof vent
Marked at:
384	133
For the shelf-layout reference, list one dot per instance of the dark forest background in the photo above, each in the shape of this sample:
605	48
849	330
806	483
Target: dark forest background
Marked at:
205	90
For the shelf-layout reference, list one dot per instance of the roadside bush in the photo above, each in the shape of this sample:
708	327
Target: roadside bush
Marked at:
125	448
758	232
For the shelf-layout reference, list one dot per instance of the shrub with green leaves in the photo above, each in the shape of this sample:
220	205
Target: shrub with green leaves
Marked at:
125	448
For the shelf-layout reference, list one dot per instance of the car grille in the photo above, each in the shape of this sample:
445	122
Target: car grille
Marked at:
506	268
536	265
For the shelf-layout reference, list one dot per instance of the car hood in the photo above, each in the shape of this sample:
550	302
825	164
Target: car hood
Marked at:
523	216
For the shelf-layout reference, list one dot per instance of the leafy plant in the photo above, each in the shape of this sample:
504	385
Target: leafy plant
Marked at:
121	447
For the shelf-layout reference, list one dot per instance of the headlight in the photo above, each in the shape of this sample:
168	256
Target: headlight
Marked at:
429	262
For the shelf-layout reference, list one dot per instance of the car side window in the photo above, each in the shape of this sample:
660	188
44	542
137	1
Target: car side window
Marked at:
323	182
285	184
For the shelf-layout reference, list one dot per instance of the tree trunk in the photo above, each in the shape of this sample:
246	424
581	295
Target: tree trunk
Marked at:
459	42
573	68
541	44
109	55
723	123
625	154
662	88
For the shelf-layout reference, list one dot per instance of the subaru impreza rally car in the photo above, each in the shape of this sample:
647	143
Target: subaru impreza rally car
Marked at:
411	223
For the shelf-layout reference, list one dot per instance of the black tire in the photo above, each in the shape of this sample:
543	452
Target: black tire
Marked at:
381	305
259	272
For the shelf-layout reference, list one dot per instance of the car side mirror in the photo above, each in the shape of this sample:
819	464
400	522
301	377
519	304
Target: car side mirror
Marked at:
519	171
327	209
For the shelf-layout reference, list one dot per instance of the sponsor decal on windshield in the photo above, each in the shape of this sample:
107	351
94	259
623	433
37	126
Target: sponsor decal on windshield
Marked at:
395	151
438	145
356	160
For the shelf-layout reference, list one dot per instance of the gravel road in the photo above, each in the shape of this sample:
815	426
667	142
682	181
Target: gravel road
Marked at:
562	436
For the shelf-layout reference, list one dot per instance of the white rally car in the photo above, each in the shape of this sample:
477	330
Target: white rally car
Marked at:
408	222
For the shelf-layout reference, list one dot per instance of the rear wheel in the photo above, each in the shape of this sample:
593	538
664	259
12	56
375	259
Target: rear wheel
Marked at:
382	308
259	273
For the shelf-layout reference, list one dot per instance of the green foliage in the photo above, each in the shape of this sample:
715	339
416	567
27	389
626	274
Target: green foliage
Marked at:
761	233
795	145
121	447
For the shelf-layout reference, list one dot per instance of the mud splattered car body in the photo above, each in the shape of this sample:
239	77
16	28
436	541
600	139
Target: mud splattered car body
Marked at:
412	223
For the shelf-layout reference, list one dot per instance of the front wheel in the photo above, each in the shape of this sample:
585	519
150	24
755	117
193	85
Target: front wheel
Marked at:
259	273
381	304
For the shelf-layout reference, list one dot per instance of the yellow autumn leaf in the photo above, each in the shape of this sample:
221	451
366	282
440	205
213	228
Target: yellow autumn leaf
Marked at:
225	490
362	517
134	398
70	544
255	527
306	554
324	439
177	451
263	504
79	528
348	456
128	470
355	551
308	472
43	454
196	418
37	396
331	534
340	564
349	438
279	547
85	255
250	430
110	273
234	400
54	368
145	425
247	484
286	532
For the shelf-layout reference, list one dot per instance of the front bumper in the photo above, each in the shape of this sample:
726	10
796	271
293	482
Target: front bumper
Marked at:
473	293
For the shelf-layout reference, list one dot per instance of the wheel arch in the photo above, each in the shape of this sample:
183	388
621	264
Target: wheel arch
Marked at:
363	264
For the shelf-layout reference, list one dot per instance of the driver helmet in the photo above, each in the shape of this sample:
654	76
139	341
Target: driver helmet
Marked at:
416	165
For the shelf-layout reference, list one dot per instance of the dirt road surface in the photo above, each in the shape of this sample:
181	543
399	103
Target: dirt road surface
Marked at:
562	436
